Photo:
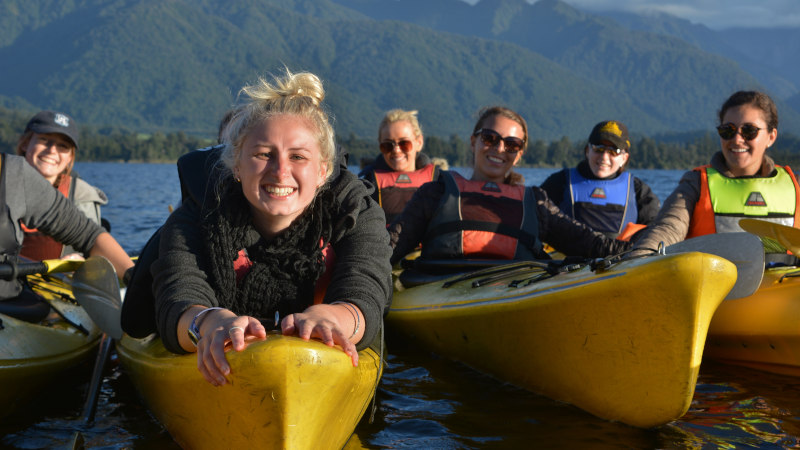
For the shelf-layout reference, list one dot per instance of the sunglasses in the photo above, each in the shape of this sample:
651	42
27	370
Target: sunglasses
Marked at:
388	146
728	131
491	138
612	151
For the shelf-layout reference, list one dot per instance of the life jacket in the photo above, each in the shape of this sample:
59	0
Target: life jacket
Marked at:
37	245
480	219
242	265
9	247
723	201
606	206
395	189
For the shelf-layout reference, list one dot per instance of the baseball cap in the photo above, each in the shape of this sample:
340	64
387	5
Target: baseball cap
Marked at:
45	122
612	131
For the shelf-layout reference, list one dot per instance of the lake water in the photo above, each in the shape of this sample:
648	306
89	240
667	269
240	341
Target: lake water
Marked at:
424	401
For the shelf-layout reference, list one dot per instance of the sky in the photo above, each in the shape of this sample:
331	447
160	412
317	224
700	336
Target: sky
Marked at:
715	14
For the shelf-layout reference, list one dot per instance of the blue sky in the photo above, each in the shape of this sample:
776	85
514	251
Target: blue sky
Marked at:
715	14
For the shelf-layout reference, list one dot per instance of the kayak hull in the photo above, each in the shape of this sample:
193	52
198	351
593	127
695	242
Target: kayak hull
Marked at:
33	354
282	393
761	331
624	344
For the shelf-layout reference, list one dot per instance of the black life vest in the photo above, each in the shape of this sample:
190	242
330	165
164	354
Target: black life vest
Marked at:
480	219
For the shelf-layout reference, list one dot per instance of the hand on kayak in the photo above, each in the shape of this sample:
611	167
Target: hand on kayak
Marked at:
217	331
332	324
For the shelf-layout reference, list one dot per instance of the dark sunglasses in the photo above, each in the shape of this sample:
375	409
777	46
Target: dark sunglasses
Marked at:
612	151
491	138
728	131
388	146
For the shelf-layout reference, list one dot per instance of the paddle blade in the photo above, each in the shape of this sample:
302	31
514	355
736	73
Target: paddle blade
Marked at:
742	249
96	288
789	237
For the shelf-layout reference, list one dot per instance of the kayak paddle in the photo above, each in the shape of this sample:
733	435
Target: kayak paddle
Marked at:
96	287
787	236
9	271
743	249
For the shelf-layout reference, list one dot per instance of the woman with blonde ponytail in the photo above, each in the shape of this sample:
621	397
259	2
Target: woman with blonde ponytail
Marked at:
271	225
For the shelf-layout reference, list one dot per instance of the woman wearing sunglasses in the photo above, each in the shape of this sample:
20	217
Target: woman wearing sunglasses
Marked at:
599	191
491	215
401	167
741	180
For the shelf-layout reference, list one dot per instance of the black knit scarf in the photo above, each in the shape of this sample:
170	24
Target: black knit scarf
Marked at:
285	268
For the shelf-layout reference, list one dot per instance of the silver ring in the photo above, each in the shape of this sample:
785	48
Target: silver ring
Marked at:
230	330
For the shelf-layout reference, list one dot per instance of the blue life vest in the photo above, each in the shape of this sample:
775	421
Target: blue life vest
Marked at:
605	206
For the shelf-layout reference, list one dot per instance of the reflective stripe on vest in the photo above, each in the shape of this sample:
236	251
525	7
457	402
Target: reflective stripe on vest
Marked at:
604	205
479	219
723	201
37	245
395	189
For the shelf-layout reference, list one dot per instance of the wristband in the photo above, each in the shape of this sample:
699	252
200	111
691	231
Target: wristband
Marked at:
353	312
194	327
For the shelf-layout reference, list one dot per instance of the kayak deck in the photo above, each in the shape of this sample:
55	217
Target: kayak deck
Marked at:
282	393
31	354
624	343
761	331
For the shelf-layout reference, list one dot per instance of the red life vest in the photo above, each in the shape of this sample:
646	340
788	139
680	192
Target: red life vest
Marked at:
37	245
242	265
705	217
479	219
395	189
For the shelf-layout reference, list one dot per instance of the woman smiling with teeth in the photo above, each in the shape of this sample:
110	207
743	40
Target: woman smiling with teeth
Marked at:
741	180
273	230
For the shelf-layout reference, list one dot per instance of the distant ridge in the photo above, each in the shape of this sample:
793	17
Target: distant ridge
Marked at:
151	65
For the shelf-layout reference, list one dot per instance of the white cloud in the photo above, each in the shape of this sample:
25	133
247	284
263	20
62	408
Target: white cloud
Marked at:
716	14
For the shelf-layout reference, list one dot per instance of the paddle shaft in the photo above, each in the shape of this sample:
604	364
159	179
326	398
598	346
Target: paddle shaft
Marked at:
10	270
90	406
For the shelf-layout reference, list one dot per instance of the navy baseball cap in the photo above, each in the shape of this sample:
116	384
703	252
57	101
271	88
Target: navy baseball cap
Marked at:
45	122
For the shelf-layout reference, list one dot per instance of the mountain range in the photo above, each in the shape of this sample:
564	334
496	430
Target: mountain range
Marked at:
177	65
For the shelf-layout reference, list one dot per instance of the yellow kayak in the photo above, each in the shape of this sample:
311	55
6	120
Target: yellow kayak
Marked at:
282	393
761	331
33	354
623	342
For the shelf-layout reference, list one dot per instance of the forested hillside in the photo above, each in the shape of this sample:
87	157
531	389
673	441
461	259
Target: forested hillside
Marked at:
150	66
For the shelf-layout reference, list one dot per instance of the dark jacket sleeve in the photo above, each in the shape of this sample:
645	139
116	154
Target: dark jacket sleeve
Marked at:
408	230
646	202
362	274
54	214
569	236
368	174
555	185
178	277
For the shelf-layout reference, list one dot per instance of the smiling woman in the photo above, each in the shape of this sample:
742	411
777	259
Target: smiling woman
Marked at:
599	191
740	181
401	168
49	144
272	225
